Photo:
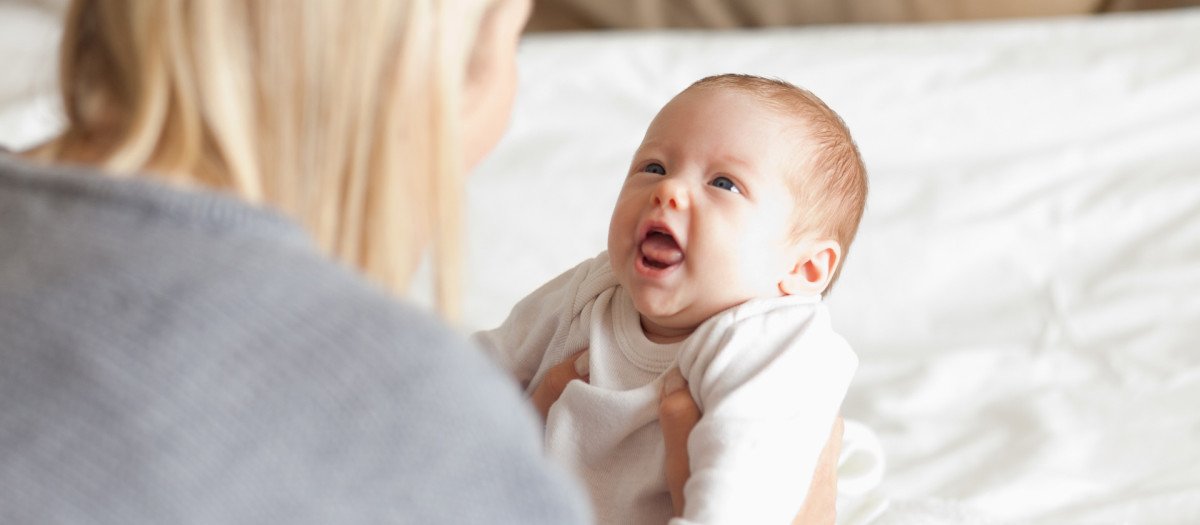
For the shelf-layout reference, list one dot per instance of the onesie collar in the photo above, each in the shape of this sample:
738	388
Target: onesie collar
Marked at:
639	350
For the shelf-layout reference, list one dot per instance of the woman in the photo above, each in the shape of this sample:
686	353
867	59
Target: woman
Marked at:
185	333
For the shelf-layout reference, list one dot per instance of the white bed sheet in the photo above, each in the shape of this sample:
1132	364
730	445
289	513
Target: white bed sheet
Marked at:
1025	289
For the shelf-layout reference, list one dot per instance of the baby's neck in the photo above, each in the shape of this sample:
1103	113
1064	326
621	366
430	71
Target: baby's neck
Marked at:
664	334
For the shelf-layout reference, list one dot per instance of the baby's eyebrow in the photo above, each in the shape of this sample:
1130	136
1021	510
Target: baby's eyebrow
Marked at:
735	165
644	147
726	161
734	162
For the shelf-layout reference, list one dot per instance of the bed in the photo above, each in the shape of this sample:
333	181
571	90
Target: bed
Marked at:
1024	293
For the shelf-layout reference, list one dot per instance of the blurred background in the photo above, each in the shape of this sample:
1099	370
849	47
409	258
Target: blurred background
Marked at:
576	15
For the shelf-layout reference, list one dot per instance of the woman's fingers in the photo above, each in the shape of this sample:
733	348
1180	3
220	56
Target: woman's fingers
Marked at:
678	415
575	367
820	507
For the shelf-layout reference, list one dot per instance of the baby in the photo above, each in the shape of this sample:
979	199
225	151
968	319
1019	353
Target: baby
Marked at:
733	221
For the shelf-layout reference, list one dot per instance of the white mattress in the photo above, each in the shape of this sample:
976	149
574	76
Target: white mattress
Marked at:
1025	290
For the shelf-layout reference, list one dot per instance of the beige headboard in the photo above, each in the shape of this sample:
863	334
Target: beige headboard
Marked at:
556	15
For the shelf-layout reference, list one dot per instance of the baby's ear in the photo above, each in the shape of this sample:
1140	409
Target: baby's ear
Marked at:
815	263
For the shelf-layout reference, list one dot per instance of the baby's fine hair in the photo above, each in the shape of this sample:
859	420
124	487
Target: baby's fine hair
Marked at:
830	181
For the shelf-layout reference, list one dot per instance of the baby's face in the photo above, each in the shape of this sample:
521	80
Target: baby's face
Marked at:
703	220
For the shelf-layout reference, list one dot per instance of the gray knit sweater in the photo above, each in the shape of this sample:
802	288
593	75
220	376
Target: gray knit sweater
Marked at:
183	358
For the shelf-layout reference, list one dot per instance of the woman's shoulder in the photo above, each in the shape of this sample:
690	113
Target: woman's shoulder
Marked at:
158	267
217	326
83	245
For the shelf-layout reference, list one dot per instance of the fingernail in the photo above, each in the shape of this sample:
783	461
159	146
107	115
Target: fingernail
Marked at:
674	381
582	365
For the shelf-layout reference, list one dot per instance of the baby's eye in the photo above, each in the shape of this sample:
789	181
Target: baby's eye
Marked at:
725	184
655	168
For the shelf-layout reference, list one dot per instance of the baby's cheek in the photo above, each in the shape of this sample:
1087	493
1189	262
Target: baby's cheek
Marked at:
619	226
761	263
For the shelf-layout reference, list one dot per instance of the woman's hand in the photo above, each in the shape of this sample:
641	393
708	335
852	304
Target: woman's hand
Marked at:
678	415
575	367
820	506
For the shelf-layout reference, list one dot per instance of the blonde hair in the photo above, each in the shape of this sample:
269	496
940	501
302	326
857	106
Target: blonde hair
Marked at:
830	184
343	114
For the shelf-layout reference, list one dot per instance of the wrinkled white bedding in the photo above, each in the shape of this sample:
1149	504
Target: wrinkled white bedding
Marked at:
1024	293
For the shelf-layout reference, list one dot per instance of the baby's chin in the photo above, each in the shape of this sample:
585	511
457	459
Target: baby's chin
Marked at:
666	333
680	308
677	317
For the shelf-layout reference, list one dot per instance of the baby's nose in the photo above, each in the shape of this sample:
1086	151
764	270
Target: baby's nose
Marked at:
672	194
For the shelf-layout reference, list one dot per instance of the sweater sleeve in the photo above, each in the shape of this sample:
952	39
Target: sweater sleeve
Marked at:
769	386
540	319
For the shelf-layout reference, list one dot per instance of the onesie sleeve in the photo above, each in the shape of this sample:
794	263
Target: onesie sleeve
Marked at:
769	385
521	342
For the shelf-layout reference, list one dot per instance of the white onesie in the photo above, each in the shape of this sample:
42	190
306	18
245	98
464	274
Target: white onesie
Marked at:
752	454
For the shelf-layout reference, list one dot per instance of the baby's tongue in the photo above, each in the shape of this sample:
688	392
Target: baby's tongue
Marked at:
662	249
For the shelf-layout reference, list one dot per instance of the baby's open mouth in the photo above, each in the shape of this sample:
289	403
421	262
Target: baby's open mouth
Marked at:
660	250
